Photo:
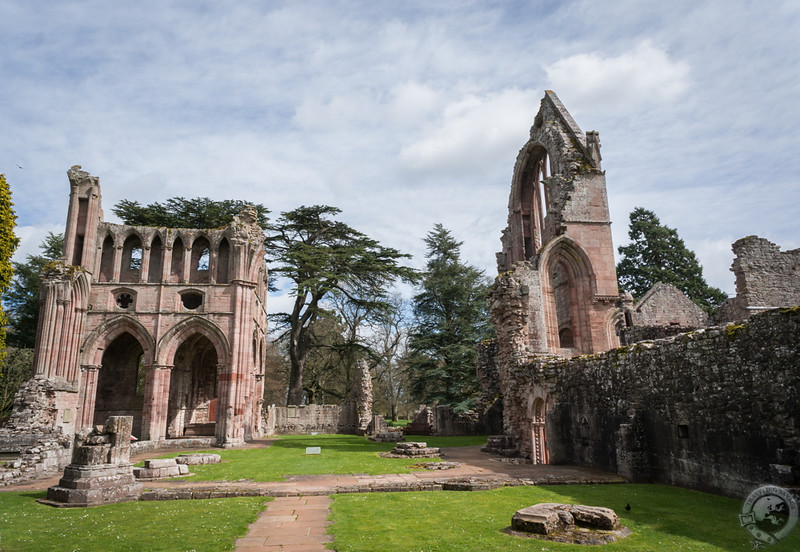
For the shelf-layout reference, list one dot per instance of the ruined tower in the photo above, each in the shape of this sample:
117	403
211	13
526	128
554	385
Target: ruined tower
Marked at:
557	288
167	325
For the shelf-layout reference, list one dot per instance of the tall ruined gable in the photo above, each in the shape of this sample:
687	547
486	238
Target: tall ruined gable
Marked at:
559	224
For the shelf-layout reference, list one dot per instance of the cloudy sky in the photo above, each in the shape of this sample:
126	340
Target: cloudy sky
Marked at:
405	114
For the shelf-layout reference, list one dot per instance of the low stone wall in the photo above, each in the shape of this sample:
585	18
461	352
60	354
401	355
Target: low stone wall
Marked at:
715	409
311	418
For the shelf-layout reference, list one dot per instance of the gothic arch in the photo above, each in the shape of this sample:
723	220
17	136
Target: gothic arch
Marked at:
95	344
568	285
168	345
537	416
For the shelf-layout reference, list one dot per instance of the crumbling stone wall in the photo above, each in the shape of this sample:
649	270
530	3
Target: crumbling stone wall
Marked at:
715	409
353	416
35	433
766	278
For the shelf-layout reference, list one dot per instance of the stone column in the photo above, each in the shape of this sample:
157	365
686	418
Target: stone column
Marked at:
228	432
145	268
156	402
88	389
117	263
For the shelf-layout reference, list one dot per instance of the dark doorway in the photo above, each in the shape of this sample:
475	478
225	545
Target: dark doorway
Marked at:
120	383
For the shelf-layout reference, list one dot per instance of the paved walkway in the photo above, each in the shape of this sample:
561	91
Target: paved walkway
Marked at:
296	524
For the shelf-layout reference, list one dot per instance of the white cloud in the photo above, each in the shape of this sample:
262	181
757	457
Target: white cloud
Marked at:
473	134
634	79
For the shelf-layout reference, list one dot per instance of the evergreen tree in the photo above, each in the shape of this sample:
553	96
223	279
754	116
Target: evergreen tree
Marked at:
8	244
322	256
22	300
179	212
657	254
451	316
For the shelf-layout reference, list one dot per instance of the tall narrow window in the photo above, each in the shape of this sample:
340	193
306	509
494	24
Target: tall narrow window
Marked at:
201	253
131	259
107	260
154	270
223	256
176	270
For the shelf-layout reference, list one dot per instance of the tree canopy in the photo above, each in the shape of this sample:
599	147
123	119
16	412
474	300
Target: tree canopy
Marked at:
8	244
450	318
22	299
322	256
179	212
657	254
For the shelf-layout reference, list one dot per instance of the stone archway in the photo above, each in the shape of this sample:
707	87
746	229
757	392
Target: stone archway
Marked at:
194	389
539	452
121	382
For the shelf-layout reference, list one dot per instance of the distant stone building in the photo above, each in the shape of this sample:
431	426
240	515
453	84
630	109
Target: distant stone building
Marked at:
661	312
167	325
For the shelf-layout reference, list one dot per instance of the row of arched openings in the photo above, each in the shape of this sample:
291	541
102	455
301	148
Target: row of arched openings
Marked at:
193	389
202	266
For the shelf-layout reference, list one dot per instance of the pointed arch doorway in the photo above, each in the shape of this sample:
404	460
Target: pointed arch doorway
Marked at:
539	452
194	389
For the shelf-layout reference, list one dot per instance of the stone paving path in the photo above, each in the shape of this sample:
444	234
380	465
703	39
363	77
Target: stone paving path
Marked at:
296	524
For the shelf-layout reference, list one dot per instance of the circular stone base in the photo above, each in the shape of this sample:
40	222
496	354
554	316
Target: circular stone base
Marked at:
578	535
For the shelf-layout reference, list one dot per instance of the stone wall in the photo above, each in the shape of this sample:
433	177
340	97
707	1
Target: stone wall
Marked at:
35	436
715	409
311	418
766	278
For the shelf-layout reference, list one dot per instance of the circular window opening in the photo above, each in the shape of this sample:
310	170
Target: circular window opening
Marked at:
124	300
192	300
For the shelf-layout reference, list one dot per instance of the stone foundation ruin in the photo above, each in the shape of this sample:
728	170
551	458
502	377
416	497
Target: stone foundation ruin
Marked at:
570	523
100	472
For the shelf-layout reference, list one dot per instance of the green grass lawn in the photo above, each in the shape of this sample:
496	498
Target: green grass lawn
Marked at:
171	526
398	423
341	454
662	519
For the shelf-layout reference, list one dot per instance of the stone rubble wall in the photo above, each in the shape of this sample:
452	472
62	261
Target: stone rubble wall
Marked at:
766	277
312	418
715	409
34	434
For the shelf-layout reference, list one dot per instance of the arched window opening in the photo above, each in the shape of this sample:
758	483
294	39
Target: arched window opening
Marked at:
534	201
223	256
156	264
201	255
107	260
131	259
563	303
176	267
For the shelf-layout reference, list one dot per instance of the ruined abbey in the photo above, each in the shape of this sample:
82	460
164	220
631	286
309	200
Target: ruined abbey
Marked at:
680	402
168	326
